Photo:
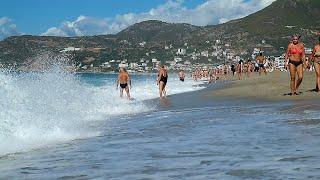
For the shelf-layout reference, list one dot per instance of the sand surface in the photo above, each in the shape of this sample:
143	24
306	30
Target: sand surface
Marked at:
270	87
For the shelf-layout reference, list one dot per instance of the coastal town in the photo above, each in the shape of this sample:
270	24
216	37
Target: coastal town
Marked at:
184	58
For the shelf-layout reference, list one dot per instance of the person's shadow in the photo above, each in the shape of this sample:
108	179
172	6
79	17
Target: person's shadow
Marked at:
313	90
290	94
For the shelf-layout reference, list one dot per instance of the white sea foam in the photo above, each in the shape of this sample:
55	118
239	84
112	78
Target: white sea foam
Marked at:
43	108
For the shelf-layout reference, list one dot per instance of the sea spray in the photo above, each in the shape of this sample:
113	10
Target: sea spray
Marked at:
56	105
41	108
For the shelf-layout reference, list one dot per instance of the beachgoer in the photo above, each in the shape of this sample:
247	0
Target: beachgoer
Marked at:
295	58
181	76
261	61
124	81
315	57
225	70
196	74
240	69
249	67
162	81
233	69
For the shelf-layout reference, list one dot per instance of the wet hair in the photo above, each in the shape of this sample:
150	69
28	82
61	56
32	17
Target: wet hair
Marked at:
162	66
260	53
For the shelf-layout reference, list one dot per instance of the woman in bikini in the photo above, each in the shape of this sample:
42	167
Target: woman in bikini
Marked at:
295	58
162	81
315	57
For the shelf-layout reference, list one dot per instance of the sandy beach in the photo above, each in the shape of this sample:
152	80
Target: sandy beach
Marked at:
271	87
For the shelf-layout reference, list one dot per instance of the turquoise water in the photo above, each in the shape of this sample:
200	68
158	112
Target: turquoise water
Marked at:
95	135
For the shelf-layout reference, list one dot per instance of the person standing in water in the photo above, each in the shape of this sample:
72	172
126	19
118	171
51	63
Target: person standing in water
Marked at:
261	60
315	57
295	58
124	81
162	81
182	76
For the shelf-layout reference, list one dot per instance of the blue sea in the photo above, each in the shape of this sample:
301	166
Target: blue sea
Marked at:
59	125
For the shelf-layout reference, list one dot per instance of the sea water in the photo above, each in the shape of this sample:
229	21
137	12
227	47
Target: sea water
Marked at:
58	125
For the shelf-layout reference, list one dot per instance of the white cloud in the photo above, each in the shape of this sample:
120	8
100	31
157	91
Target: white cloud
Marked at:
173	11
7	28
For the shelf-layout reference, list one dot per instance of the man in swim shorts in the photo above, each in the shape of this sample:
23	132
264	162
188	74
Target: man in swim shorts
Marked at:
261	61
124	81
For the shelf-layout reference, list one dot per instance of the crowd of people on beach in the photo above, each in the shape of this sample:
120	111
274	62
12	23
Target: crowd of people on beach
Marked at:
296	63
227	72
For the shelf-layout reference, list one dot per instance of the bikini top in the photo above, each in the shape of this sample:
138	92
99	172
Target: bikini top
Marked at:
296	51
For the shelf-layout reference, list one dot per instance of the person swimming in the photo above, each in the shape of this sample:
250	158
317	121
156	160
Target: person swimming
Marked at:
162	81
295	58
123	81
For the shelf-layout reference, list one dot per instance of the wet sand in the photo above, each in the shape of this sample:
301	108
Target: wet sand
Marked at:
271	87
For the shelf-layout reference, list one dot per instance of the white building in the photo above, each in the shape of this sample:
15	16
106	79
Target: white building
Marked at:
177	59
123	65
144	64
279	62
133	65
214	53
205	53
142	44
172	63
105	65
187	62
68	49
181	51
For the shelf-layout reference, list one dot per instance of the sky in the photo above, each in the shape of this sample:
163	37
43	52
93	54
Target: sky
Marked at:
95	17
